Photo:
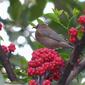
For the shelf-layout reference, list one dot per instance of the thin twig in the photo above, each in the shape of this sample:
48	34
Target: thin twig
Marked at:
76	71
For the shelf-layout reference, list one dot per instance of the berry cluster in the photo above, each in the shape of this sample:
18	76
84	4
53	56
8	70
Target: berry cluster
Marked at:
10	48
44	61
73	34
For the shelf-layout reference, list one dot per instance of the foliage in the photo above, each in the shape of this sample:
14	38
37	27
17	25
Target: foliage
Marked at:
63	17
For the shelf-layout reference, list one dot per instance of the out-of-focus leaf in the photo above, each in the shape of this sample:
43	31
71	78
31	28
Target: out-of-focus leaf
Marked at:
63	17
64	53
6	21
40	21
19	61
34	45
80	34
83	83
31	23
68	5
26	84
15	9
72	22
52	16
66	13
51	0
19	13
23	73
25	17
22	15
1	79
37	9
75	82
58	28
1	39
58	12
54	82
76	12
56	18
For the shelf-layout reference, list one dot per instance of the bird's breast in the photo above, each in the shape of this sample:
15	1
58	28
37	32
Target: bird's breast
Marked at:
46	41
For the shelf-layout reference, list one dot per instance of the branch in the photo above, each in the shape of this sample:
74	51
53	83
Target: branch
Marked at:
7	65
72	61
76	71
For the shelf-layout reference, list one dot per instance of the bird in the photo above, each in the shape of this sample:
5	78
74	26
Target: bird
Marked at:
49	38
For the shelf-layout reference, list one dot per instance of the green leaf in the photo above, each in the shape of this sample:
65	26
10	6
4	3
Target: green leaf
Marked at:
19	13
2	79
75	82
66	13
15	9
76	12
80	34
72	22
1	39
58	12
82	84
35	45
19	61
58	28
24	18
31	23
65	53
40	21
55	18
54	82
37	9
52	16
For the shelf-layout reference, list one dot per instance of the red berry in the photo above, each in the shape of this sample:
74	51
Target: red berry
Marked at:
72	39
78	61
73	31
32	82
31	71
11	47
1	25
40	70
39	62
56	75
32	63
52	65
5	49
81	19
46	82
46	66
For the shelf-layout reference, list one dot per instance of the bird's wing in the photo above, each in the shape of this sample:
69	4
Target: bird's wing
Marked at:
51	34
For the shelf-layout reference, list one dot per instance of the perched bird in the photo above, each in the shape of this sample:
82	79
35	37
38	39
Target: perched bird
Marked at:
49	38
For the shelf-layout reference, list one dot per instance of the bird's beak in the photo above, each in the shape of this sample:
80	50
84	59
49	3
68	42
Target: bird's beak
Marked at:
36	27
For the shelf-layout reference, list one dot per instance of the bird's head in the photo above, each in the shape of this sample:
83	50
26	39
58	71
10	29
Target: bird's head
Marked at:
40	26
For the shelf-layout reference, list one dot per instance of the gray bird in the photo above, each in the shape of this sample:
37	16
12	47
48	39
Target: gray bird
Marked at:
49	38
